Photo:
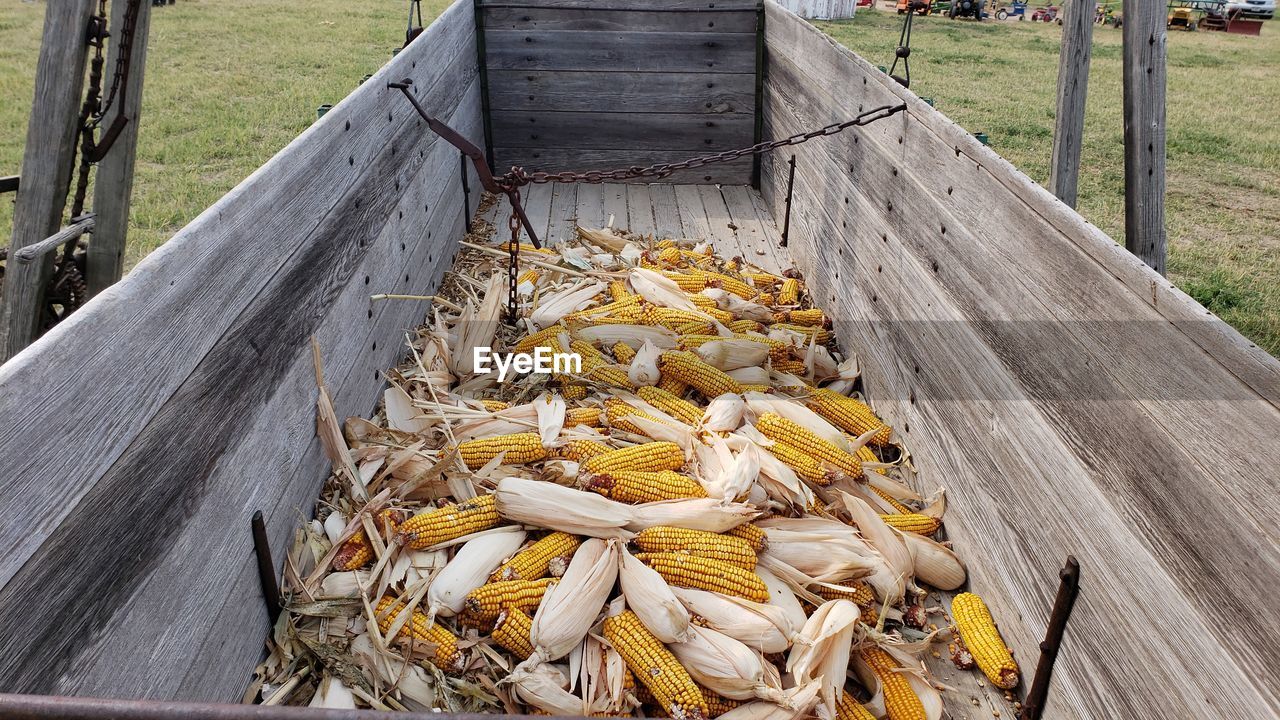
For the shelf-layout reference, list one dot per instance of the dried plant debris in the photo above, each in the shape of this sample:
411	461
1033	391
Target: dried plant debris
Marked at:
700	518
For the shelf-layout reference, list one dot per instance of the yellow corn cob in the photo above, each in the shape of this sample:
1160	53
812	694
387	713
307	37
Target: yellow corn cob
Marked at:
893	502
627	308
528	276
648	457
732	284
681	321
673	405
686	282
446	656
669	256
642	487
756	388
588	416
618	290
859	593
867	455
596	367
848	708
673	386
754	536
545	336
900	700
812	317
483	604
744	326
579	450
686	367
526	247
718	704
665	243
779	429
913	522
449	522
724	548
805	465
823	336
536	560
571	390
702	573
511	631
790	292
495	405
623	353
618	414
980	635
702	302
655	667
850	415
777	348
761	280
520	448
357	550
789	365
765	298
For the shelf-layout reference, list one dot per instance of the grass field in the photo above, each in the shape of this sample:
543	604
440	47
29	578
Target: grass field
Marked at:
1223	137
230	82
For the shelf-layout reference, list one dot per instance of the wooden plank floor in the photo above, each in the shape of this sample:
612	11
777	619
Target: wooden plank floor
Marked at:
732	218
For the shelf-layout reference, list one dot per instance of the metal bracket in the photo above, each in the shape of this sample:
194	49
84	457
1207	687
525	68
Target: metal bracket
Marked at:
1068	589
266	568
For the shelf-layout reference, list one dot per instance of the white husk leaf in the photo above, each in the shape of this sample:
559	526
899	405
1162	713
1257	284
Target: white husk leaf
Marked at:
334	525
554	507
797	703
603	237
343	584
470	568
331	693
542	685
478	328
659	289
733	353
551	409
781	597
934	563
570	607
633	335
555	306
724	413
724	665
707	514
653	601
416	689
751	376
760	626
826	550
644	366
822	648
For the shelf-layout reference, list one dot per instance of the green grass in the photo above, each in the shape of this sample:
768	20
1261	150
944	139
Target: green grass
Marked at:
228	84
1223	138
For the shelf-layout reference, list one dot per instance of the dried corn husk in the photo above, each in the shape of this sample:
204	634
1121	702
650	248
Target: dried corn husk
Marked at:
659	289
417	691
332	694
570	608
477	328
724	414
550	409
899	568
782	598
653	601
822	649
543	686
555	306
644	367
708	514
551	506
825	550
760	626
470	568
733	353
634	335
725	665
796	703
935	563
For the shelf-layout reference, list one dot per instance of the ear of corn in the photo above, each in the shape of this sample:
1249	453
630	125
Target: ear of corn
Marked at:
642	487
589	416
690	369
357	550
688	283
485	602
655	667
804	464
723	548
849	415
519	448
900	701
753	534
672	385
495	405
449	522
821	336
779	429
806	318
790	292
535	561
618	290
859	593
649	457
978	630
673	405
544	337
623	353
913	522
617	414
700	573
446	656
579	450
848	708
511	631
894	503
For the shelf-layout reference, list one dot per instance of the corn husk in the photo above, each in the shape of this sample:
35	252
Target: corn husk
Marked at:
782	598
743	309
723	473
825	550
605	673
659	289
544	686
634	335
605	238
343	584
822	648
797	703
751	376
570	608
550	409
915	674
478	326
470	568
899	568
935	563
555	306
652	600
707	514
417	691
733	353
847	373
760	626
554	507
401	413
332	694
644	367
760	403
724	414
725	665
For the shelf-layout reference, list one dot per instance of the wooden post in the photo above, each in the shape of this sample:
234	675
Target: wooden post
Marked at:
1073	86
1144	130
46	165
113	180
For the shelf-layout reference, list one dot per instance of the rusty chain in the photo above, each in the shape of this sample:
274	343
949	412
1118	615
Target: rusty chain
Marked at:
518	177
513	261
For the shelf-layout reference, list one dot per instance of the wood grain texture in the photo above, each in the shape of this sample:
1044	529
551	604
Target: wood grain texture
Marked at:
821	9
614	209
677	136
564	206
640	205
552	159
672	6
1145	36
620	51
113	179
361	203
592	91
1042	332
1073	89
666	213
549	18
46	168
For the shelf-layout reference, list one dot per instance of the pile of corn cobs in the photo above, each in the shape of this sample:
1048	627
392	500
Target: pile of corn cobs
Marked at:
702	520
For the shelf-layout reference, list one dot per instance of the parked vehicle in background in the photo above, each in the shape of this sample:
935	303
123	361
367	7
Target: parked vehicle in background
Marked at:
1017	9
921	7
1045	14
966	8
1253	9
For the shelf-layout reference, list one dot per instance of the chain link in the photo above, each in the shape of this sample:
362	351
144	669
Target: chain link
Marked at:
513	261
518	177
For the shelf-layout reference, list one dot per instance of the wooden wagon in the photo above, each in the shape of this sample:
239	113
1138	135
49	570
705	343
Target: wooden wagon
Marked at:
1072	400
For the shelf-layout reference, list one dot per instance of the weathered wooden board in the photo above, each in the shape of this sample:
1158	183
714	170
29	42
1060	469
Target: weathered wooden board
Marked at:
675	135
591	18
604	91
157	502
666	212
614	209
1066	389
640	205
622	51
674	6
552	159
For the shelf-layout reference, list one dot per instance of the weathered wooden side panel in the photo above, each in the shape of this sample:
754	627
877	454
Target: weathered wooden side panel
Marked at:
1074	401
139	462
583	86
